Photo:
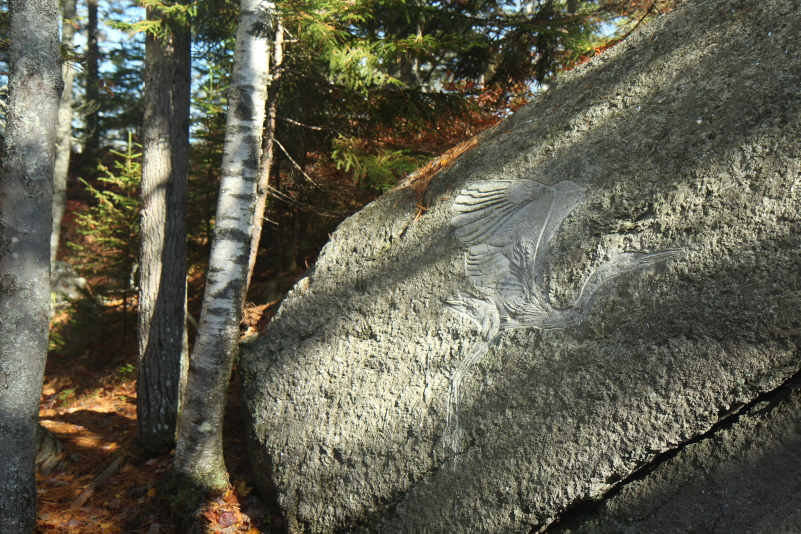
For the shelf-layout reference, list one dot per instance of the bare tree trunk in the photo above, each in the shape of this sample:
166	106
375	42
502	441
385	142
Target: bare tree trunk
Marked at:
267	148
163	346
199	455
572	6
63	132
92	143
293	263
26	194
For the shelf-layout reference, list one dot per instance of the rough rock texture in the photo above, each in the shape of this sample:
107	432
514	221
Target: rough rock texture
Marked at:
745	477
684	138
65	284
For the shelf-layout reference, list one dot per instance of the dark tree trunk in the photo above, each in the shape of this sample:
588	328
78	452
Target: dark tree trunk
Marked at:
572	6
92	79
63	132
279	232
198	454
26	192
163	348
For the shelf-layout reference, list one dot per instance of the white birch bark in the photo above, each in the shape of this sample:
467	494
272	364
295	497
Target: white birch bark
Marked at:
267	146
63	131
198	456
26	194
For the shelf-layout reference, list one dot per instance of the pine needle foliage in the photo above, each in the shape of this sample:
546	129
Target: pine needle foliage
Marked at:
111	226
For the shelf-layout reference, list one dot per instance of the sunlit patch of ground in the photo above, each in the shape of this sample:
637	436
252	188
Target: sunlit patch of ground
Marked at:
103	482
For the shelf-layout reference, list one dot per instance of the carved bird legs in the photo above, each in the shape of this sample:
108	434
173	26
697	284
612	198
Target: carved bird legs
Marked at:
485	314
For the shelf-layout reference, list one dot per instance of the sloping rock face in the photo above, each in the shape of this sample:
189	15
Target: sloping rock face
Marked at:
744	477
605	276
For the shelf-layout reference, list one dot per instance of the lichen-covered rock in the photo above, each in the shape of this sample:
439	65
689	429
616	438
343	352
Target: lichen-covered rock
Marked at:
636	280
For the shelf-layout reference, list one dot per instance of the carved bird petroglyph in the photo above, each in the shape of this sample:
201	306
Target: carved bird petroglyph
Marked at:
508	225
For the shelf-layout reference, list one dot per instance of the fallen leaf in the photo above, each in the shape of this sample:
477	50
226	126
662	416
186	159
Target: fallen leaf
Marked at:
230	497
211	515
242	488
253	530
74	523
115	503
151	492
227	519
154	528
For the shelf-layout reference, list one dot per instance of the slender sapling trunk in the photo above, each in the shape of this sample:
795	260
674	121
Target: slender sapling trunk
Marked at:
267	148
199	455
63	131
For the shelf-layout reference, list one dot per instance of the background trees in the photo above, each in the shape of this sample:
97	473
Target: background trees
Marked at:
64	131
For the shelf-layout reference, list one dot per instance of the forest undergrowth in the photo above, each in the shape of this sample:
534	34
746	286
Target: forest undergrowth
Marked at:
103	482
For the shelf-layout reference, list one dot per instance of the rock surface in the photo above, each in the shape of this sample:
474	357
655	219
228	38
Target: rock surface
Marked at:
745	477
65	284
685	140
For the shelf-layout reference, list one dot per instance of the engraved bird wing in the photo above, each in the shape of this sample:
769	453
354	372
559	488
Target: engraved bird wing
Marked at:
508	225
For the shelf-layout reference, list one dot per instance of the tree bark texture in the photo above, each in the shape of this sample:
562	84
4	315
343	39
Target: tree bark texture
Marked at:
63	131
267	148
26	193
92	141
163	347
198	456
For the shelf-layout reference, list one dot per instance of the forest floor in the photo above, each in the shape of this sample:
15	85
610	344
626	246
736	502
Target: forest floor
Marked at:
104	483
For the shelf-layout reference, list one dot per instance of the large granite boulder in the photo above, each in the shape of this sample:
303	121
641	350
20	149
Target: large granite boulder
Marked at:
607	275
744	477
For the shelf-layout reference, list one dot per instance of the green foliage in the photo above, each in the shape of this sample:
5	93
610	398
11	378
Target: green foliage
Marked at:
126	369
162	17
64	395
121	86
379	171
55	341
111	226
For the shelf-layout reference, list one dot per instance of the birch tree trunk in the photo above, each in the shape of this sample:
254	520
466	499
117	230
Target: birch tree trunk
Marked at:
267	146
198	456
63	131
163	346
26	194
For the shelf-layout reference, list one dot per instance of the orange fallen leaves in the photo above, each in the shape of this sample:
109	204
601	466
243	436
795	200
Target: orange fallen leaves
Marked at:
92	412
